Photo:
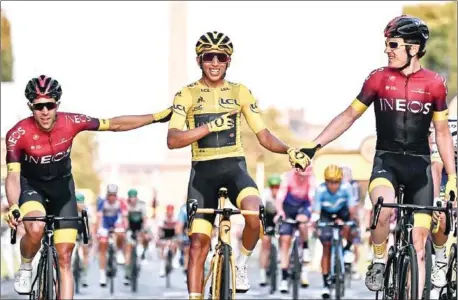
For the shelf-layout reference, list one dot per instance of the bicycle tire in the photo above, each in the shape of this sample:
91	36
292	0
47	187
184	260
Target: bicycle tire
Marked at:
409	258
41	278
111	272
273	266
76	270
133	269
338	274
348	275
451	286
389	283
225	286
57	282
168	268
295	270
428	268
50	274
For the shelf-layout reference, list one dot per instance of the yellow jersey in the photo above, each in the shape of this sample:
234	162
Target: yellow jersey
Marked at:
198	104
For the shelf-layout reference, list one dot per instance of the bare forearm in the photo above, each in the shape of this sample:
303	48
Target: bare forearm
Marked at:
125	123
446	150
436	170
12	188
179	139
338	125
271	142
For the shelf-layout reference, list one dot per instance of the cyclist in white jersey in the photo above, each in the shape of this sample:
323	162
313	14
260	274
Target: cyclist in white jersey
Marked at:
439	270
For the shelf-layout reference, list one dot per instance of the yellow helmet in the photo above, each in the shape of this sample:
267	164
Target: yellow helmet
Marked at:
214	41
333	173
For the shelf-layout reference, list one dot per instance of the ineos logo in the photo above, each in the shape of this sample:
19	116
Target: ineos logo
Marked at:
403	105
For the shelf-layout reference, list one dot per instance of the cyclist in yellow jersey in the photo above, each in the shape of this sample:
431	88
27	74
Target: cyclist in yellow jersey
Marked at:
211	108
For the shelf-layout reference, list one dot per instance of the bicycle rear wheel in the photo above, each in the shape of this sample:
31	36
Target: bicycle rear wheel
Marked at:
408	288
295	269
389	284
273	269
428	268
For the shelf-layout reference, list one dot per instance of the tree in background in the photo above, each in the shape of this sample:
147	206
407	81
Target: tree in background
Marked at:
273	163
7	52
84	156
441	49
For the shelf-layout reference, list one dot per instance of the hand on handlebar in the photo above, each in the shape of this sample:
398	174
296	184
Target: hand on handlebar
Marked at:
11	219
279	216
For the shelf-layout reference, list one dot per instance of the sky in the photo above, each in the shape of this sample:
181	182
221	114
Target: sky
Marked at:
111	58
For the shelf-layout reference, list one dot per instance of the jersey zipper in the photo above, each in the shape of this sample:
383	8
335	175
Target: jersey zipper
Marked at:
215	97
52	153
405	112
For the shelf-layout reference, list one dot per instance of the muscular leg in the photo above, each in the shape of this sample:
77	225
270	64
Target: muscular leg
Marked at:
251	231
31	241
64	239
265	252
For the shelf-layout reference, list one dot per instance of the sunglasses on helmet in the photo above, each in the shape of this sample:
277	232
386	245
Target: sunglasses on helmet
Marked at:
395	44
208	57
41	105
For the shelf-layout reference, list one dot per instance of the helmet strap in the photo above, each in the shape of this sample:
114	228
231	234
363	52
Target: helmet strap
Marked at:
409	59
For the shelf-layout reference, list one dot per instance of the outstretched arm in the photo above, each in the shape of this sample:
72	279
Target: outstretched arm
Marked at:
271	142
125	123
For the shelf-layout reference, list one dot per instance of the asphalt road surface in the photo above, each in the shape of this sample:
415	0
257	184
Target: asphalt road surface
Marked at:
151	286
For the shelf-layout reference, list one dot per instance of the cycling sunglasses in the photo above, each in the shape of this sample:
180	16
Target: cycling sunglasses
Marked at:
395	45
41	105
333	181
208	57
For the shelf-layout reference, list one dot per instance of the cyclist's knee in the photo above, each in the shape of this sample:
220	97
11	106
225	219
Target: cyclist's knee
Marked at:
326	248
64	254
266	242
200	245
35	231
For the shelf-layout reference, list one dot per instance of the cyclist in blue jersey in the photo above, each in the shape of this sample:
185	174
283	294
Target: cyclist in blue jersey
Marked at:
333	197
181	231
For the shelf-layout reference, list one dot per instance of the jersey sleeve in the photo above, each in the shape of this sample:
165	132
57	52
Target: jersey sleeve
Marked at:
181	105
250	110
439	94
83	122
368	92
350	195
99	205
182	218
14	140
316	206
283	188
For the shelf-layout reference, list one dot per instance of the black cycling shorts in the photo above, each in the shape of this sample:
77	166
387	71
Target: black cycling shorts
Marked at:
207	177
413	171
270	224
325	233
56	198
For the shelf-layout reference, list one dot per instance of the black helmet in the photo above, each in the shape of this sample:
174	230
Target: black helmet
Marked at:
43	86
413	30
214	40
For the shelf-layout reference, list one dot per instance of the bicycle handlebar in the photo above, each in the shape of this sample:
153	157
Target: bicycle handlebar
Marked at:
51	219
335	224
192	210
411	208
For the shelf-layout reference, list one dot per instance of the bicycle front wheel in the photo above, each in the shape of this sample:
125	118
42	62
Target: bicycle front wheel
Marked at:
76	269
273	269
50	275
133	269
295	269
389	287
225	289
339	285
451	272
428	268
408	288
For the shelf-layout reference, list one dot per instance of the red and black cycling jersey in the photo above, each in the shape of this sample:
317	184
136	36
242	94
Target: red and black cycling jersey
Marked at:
404	106
45	156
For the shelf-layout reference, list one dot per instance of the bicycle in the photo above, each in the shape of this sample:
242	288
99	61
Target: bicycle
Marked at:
222	263
48	273
77	265
337	274
295	263
134	260
449	290
168	260
402	255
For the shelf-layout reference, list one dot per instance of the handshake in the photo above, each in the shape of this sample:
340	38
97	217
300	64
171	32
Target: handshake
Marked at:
301	158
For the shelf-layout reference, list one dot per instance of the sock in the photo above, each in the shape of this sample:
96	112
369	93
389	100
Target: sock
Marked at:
440	251
196	296
284	274
305	245
243	257
26	263
325	280
379	252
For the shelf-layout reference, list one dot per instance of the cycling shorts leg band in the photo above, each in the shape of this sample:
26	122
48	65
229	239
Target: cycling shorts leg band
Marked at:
248	191
32	205
65	235
422	220
195	296
380	181
201	226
